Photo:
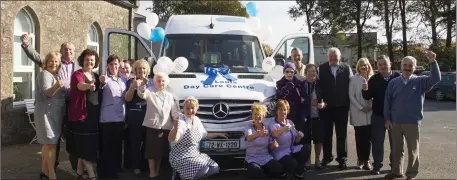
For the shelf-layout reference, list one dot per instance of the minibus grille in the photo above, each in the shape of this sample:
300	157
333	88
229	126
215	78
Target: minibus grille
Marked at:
220	111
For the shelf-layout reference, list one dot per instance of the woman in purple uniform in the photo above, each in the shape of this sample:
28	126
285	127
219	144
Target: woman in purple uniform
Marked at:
260	163
289	153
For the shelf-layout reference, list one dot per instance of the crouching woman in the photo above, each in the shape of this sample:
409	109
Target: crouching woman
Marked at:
185	137
291	156
260	163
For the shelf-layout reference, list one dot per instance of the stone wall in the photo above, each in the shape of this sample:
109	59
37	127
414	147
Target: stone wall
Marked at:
56	22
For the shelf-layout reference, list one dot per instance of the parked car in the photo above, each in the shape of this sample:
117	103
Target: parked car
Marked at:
445	89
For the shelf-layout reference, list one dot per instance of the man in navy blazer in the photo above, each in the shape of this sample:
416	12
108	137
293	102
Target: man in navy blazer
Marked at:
334	78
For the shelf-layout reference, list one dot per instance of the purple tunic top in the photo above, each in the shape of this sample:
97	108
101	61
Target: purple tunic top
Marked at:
285	140
113	103
257	150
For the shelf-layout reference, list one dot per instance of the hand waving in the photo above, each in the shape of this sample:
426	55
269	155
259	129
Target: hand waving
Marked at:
25	39
431	56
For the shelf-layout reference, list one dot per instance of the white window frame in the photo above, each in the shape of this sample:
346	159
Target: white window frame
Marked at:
93	43
94	29
32	42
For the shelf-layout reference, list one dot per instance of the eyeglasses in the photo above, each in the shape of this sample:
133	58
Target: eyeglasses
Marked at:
289	72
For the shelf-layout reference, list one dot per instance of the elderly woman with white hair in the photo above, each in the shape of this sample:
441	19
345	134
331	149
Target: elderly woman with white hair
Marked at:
161	108
136	110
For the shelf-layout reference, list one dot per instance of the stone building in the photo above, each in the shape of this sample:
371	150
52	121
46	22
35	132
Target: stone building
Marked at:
49	23
347	43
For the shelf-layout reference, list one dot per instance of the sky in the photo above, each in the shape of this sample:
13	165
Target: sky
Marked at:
274	13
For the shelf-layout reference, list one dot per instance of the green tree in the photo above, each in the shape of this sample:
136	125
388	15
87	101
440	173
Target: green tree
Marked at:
165	8
386	9
339	16
309	9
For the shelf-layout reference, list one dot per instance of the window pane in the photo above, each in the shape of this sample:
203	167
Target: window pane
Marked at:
19	56
23	23
22	86
303	44
237	52
92	34
119	45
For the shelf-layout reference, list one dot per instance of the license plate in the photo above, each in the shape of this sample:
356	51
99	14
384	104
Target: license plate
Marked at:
226	144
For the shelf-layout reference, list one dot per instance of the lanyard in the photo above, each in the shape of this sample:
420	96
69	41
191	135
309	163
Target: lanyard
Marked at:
291	134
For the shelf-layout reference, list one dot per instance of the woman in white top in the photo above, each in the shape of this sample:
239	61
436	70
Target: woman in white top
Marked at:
360	112
185	137
158	121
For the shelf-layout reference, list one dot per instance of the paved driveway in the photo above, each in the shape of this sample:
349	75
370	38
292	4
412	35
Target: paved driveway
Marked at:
437	154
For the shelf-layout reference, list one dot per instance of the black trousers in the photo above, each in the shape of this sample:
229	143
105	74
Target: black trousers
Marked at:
295	163
363	142
73	160
338	117
134	141
110	160
270	170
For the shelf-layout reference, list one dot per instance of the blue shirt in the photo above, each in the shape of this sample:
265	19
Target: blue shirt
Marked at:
404	101
113	103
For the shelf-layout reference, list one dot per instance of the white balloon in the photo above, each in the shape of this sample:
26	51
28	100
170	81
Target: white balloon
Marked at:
254	24
152	20
160	68
181	64
268	64
167	62
277	73
144	31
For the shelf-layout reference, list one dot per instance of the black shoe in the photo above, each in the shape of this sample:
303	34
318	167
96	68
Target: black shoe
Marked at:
43	176
326	162
376	172
343	166
393	176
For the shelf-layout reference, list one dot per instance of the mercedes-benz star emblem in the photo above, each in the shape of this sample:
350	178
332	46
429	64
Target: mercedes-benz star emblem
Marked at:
220	110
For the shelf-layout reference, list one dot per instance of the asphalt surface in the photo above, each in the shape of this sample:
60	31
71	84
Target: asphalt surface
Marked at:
437	154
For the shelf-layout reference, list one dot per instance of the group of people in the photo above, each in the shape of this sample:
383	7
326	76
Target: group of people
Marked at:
119	120
322	98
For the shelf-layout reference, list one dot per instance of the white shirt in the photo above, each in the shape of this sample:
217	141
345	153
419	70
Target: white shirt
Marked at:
161	108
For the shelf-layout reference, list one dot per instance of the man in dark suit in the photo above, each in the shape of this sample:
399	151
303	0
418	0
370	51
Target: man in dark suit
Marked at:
334	78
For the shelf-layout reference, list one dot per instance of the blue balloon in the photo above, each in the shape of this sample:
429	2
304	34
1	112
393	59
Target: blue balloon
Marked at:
251	9
152	35
158	34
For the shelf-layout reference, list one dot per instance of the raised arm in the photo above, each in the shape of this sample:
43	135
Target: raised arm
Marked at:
30	52
174	134
143	92
369	93
78	78
175	112
130	90
428	82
